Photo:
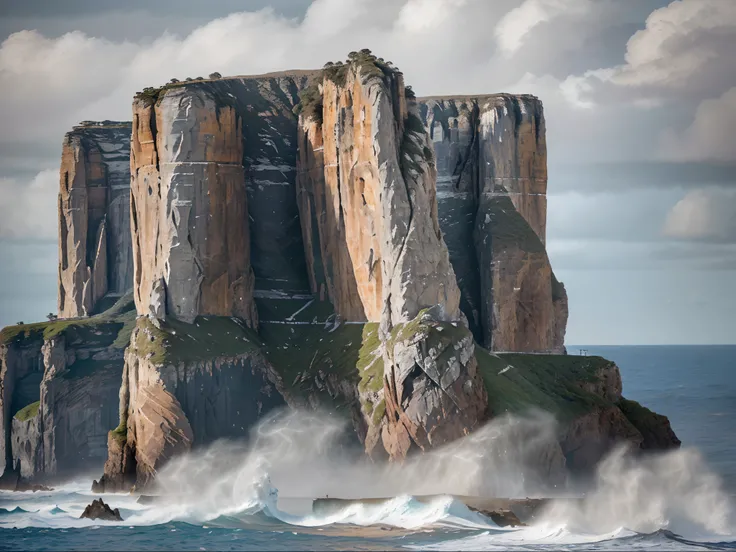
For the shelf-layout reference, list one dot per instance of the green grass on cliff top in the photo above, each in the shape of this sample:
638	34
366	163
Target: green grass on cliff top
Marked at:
302	354
516	382
28	412
207	338
109	328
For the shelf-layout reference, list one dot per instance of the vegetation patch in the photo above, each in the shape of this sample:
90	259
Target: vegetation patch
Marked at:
207	338
120	433
107	328
310	104
305	355
378	412
648	423
516	382
28	412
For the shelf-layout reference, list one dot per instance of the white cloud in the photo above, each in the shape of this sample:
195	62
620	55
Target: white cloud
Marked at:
704	214
29	209
685	50
710	137
515	27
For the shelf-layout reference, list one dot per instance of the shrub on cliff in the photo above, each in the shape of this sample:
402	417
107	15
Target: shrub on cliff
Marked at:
215	75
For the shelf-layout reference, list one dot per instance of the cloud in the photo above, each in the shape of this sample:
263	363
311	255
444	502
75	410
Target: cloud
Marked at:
710	137
516	26
28	209
707	214
683	52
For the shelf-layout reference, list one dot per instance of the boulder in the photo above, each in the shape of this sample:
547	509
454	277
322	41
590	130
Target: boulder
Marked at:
99	510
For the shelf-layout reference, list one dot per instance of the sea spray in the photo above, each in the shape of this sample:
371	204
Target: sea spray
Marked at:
305	455
674	490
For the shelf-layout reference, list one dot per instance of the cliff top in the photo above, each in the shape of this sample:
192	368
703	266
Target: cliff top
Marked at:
102	124
462	97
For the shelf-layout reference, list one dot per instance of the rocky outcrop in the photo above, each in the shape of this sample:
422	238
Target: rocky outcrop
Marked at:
655	429
583	394
321	239
59	383
99	510
95	255
184	386
373	200
369	215
433	391
190	229
491	186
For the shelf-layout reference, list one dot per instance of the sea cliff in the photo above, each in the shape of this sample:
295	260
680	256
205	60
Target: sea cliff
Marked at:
312	239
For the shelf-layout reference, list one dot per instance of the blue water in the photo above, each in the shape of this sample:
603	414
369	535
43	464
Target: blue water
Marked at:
694	386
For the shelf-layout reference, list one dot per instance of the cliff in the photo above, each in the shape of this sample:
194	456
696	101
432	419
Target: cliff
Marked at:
491	158
59	382
185	385
367	179
213	196
318	239
214	225
95	257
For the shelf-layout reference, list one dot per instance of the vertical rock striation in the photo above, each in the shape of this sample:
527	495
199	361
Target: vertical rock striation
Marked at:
370	222
95	255
213	196
491	187
188	203
367	195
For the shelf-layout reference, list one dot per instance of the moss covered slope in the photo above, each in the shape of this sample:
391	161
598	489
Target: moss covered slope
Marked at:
517	382
109	328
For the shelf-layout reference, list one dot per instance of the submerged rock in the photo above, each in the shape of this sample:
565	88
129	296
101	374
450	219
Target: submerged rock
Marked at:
99	510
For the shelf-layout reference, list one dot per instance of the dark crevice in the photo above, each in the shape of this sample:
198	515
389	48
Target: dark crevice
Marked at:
474	143
137	244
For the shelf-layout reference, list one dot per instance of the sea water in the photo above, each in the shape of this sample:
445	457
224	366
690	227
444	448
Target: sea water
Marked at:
257	497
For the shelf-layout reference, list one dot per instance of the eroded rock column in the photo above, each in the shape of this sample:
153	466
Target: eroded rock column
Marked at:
191	238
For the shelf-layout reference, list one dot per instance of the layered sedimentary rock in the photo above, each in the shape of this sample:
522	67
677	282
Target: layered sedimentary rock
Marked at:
215	222
59	382
213	198
371	225
185	385
374	201
491	186
95	256
322	240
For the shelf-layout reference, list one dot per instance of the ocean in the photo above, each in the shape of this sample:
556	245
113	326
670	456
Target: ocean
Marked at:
231	497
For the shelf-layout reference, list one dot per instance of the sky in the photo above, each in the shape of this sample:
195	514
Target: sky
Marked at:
639	97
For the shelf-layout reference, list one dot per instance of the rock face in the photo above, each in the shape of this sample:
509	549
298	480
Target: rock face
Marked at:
99	510
433	391
183	386
206	159
310	238
59	383
491	186
584	395
366	180
369	215
95	255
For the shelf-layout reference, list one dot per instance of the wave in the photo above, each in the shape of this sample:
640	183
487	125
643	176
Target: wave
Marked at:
671	496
